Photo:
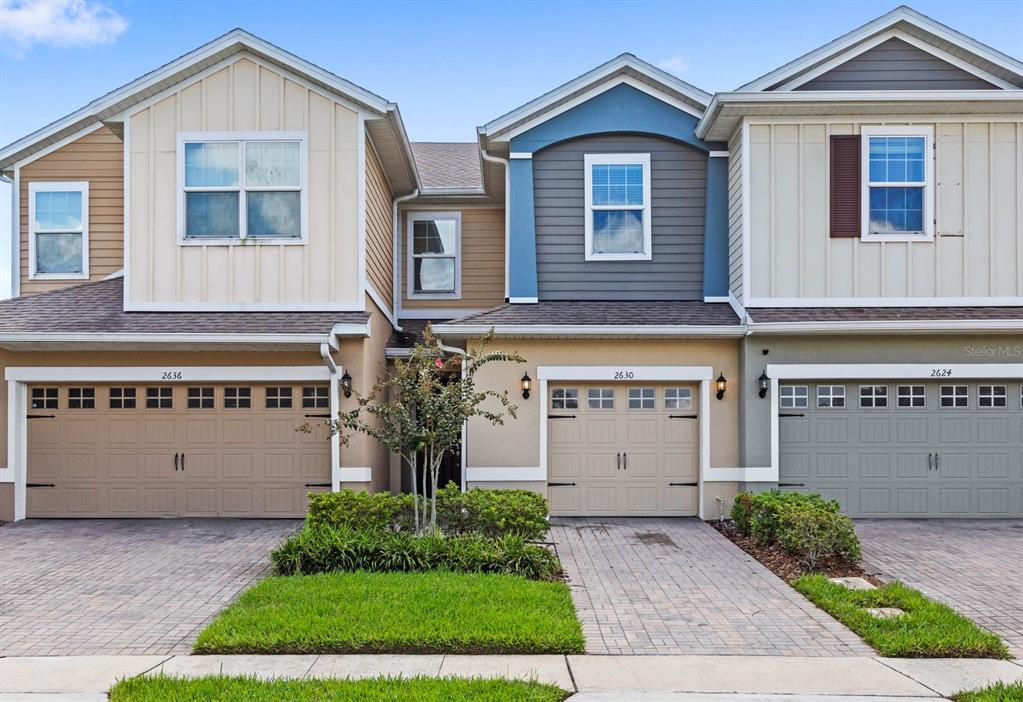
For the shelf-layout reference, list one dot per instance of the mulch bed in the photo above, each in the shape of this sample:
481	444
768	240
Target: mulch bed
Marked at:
785	565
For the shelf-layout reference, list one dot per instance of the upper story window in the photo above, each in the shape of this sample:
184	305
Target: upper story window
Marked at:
897	184
58	230
238	186
434	245
617	207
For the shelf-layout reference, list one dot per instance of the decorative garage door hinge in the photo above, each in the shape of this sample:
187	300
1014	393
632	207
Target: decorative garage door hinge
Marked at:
560	416
781	485
682	416
318	416
683	484
40	416
782	414
318	485
560	484
40	485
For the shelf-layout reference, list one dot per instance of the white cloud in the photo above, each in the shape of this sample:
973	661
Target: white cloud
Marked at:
676	64
58	23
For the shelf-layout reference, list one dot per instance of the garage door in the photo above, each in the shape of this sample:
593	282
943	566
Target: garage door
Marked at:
905	449
618	449
175	450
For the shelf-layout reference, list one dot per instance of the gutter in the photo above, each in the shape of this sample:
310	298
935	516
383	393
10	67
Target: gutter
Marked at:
868	327
597	330
395	259
507	210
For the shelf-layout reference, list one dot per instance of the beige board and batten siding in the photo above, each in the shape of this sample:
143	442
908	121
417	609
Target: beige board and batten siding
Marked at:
482	263
245	96
98	157
978	246
379	254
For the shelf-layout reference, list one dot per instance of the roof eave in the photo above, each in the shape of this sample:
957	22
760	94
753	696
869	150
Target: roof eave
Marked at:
592	330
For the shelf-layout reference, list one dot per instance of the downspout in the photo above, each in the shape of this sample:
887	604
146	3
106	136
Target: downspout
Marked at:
465	425
395	258
335	409
507	210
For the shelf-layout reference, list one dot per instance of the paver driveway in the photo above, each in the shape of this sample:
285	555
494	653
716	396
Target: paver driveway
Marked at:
676	586
974	566
99	586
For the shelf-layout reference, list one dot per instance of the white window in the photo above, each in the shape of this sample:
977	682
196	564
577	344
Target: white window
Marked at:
435	248
896	164
58	230
236	186
873	396
617	207
992	396
912	396
955	396
564	398
642	398
678	398
600	398
831	396
794	396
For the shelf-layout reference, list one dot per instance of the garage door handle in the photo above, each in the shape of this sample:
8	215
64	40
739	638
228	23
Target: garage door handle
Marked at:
618	460
937	461
182	462
175	462
930	461
625	461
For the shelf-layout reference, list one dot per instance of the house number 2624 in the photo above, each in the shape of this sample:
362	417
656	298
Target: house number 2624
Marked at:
941	372
624	375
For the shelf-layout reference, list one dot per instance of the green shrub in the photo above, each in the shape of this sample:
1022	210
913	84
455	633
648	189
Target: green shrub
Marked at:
813	533
491	513
758	515
326	549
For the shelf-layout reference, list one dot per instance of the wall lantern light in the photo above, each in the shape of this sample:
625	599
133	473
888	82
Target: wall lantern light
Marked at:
721	385
763	382
527	385
346	384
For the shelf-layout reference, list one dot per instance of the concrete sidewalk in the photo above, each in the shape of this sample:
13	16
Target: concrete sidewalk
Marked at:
594	678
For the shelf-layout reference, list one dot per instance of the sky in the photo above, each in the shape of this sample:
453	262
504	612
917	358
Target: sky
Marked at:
450	66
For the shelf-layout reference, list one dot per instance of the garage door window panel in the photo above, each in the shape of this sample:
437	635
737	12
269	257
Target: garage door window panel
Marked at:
600	398
911	396
642	398
678	398
160	398
564	398
200	398
992	396
315	398
45	398
873	396
278	398
237	398
794	396
953	396
81	398
122	398
830	396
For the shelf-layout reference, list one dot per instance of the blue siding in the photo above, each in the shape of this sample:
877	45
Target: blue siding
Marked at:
522	239
715	240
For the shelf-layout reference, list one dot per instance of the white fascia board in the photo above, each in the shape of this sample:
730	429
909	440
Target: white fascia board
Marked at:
755	302
957	326
893	371
164	374
103	338
591	330
243	306
625	372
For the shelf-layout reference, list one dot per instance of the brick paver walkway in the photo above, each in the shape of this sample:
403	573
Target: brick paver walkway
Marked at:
974	566
676	586
97	587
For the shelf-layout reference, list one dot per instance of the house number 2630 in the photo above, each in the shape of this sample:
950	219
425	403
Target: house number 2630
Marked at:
171	375
624	375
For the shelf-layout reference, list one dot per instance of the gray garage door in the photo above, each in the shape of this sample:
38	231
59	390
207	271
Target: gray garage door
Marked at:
905	449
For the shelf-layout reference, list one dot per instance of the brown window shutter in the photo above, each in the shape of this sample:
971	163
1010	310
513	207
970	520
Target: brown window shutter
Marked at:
845	185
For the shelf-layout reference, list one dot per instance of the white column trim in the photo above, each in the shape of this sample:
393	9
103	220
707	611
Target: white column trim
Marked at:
704	442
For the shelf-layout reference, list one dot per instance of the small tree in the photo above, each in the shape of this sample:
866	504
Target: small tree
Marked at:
419	407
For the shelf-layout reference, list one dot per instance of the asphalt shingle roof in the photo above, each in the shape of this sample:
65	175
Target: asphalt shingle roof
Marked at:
615	313
99	308
882	314
448	164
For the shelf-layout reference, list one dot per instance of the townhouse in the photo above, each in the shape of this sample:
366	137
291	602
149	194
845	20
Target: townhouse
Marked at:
813	282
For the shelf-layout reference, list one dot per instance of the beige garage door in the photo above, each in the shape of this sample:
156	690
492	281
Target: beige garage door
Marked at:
623	449
175	450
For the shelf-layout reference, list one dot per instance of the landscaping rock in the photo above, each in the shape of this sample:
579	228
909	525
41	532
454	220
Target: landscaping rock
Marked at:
885	612
853	583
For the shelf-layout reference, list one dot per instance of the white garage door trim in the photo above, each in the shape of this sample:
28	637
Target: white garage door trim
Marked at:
17	401
874	371
704	375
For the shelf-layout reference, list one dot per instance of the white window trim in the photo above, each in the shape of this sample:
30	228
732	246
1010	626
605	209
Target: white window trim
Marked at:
992	396
50	187
831	397
925	131
241	137
873	397
415	216
590	160
795	397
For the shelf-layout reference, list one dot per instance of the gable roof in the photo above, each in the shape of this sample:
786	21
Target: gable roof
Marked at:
383	119
621	69
911	26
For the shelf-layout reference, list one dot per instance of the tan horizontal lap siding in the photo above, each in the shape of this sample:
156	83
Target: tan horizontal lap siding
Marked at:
99	159
379	266
482	260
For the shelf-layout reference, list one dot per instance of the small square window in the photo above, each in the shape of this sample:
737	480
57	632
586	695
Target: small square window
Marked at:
678	398
912	396
873	396
642	398
160	398
831	396
955	396
564	398
81	398
794	396
200	398
122	398
600	398
237	398
316	397
45	398
278	398
992	396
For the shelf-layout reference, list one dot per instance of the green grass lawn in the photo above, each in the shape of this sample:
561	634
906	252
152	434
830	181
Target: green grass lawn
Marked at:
999	692
928	629
435	612
232	689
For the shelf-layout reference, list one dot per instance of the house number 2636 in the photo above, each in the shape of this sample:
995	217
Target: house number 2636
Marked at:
624	375
171	375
